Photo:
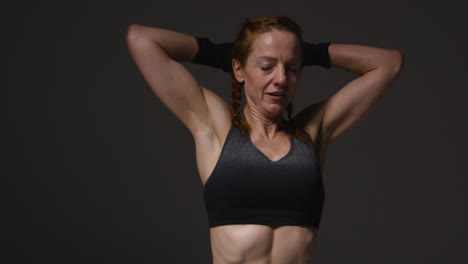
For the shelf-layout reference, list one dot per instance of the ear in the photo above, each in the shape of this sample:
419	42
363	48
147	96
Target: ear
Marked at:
237	70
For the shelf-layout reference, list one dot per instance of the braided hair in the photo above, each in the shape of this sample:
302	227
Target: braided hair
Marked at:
241	50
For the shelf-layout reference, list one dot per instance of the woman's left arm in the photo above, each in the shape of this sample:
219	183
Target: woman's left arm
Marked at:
378	68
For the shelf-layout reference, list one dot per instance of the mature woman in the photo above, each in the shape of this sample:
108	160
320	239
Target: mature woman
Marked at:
261	173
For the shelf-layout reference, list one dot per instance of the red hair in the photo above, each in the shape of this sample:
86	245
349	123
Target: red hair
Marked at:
243	47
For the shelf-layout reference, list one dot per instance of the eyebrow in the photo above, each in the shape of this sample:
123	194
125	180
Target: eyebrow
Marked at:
295	59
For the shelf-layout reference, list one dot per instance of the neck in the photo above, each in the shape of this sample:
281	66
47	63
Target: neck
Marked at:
261	125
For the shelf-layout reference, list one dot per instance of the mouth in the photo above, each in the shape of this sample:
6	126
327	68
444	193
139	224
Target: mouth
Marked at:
276	95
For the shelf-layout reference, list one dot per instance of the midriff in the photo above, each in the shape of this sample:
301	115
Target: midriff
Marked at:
262	244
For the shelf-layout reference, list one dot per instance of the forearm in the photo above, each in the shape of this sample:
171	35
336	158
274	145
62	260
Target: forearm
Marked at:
362	59
178	46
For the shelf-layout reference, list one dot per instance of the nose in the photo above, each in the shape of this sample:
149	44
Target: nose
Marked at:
281	77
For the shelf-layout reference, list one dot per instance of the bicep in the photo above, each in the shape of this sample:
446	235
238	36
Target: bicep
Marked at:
172	83
355	100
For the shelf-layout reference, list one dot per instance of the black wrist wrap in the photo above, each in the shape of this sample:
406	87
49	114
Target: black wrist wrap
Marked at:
215	55
219	55
316	54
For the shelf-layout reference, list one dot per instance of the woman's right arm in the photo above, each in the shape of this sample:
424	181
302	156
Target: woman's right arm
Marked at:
157	53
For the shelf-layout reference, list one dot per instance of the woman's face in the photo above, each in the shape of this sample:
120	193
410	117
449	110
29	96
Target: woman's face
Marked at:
273	66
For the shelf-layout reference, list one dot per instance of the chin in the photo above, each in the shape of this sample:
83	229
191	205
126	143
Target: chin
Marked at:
276	109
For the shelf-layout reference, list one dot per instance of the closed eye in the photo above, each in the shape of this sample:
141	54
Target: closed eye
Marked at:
289	69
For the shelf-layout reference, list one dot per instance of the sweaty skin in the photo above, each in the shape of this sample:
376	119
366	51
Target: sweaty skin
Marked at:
270	67
259	244
262	244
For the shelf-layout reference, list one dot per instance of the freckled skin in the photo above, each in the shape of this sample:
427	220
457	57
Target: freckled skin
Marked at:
281	72
273	65
156	53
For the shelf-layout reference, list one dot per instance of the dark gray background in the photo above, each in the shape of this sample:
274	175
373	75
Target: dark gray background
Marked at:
97	170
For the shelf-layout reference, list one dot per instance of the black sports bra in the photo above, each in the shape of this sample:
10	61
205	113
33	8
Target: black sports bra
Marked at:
246	187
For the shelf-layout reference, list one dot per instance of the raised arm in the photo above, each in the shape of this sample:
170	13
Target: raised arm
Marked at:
157	53
378	69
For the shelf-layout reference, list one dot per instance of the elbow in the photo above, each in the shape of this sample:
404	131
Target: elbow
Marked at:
137	40
133	31
137	37
141	34
397	62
